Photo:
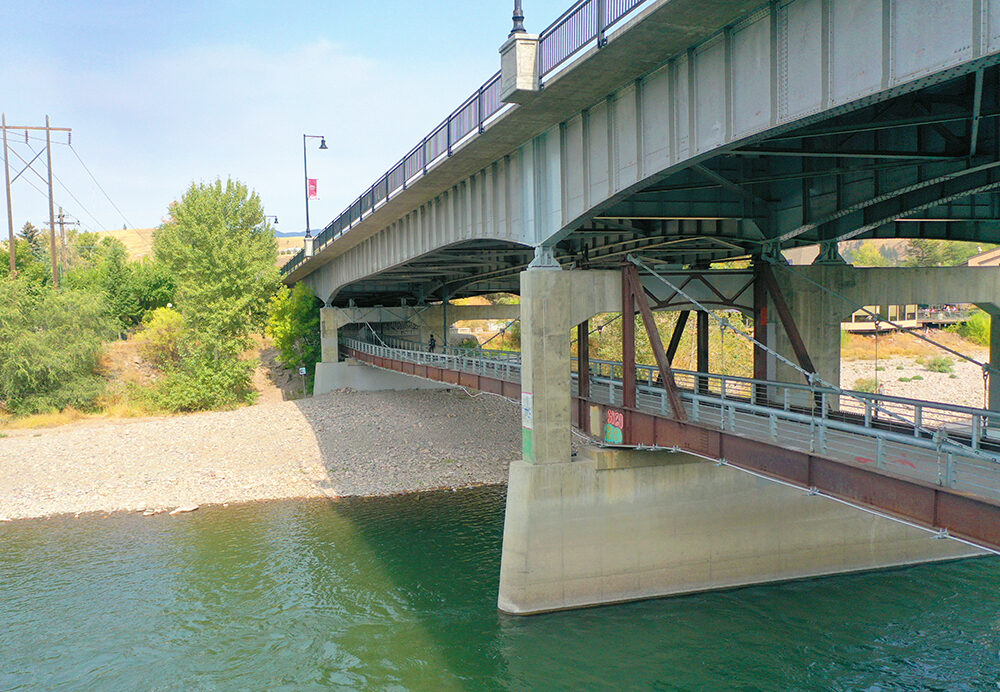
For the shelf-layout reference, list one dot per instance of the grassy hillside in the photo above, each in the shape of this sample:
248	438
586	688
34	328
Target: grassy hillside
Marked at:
139	243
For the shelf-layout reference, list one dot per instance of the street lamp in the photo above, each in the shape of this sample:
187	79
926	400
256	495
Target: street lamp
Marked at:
518	20
305	171
271	216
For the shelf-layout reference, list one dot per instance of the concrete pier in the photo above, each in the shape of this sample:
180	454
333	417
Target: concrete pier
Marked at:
612	526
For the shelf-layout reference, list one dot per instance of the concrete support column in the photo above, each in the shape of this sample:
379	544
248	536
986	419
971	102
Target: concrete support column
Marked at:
545	365
611	525
818	315
994	389
329	323
994	385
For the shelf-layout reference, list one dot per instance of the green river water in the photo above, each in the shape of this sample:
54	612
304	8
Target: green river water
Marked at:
400	593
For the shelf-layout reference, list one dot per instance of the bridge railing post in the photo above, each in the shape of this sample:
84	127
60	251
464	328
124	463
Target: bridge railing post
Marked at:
601	24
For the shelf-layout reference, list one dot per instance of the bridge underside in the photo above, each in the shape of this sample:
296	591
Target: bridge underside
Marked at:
611	526
925	164
789	124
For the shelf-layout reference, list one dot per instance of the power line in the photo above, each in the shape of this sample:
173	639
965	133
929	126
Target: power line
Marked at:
127	222
70	193
45	196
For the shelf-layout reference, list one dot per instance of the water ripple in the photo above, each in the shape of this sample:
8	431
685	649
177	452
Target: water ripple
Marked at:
400	593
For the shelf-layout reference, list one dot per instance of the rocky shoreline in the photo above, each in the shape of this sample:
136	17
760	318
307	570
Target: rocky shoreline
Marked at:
338	445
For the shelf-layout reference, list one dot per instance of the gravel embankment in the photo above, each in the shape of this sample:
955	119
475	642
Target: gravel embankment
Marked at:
346	443
964	389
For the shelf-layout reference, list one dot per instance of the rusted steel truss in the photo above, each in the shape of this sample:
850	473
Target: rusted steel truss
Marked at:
964	516
638	297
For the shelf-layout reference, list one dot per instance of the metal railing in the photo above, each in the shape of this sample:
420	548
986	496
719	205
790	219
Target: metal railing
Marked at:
582	23
508	370
585	21
962	450
460	351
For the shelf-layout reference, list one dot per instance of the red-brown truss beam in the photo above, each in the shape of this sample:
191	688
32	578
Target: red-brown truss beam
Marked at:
964	516
631	276
798	345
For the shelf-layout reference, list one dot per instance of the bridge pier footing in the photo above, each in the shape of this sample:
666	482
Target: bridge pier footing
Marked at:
619	525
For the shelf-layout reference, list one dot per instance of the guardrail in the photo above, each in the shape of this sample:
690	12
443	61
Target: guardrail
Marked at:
585	21
962	450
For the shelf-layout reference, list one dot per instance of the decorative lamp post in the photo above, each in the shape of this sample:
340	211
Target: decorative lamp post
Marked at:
518	20
305	172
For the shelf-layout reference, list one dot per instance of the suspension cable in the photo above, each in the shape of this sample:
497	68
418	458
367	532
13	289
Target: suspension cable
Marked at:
502	330
813	378
599	328
985	366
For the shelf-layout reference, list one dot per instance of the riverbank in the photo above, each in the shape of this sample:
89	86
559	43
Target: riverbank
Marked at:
338	445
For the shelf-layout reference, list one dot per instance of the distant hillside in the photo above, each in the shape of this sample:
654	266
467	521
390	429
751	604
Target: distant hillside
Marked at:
139	243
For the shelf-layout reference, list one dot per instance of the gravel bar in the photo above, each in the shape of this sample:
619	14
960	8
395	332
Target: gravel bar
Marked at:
341	444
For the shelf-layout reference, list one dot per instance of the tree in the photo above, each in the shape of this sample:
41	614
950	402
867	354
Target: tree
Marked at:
922	252
35	240
222	259
50	343
29	267
130	289
867	255
293	324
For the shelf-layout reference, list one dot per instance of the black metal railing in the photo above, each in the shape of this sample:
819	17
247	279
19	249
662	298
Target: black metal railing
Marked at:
585	21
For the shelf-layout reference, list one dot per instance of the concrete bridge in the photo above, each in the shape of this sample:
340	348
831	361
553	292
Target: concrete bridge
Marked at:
666	136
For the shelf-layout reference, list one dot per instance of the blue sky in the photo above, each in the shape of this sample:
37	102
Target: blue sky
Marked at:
163	94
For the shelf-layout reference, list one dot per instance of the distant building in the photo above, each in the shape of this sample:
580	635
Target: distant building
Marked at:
990	258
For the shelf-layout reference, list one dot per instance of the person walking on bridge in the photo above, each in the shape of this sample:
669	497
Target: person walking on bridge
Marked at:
431	343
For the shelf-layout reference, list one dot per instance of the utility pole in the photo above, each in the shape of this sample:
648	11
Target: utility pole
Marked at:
10	214
63	244
6	177
52	213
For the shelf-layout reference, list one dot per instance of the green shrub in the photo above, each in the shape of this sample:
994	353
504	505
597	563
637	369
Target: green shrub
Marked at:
159	340
50	345
470	342
905	379
880	368
975	329
202	381
939	364
917	377
866	384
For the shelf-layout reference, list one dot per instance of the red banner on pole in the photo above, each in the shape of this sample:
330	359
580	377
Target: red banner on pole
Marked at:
313	194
